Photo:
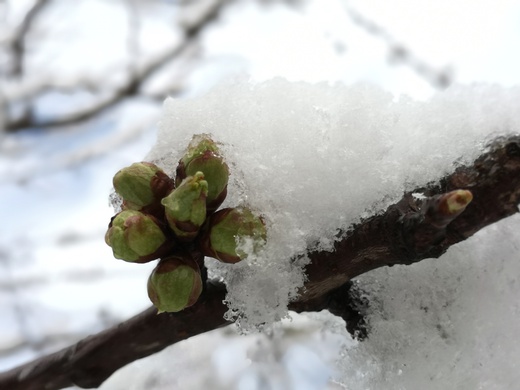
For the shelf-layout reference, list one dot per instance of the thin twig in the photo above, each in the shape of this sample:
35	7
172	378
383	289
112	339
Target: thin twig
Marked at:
440	78
18	42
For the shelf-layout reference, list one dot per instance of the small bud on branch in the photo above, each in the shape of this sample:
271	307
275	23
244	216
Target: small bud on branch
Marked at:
175	283
224	231
185	207
454	202
440	210
203	156
135	237
142	186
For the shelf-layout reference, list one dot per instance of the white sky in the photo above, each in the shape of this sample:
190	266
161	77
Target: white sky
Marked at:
479	40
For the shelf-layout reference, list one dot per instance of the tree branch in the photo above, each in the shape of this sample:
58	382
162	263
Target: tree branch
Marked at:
135	80
18	41
393	237
409	231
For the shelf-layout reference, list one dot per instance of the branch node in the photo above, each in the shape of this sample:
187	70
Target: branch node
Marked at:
423	230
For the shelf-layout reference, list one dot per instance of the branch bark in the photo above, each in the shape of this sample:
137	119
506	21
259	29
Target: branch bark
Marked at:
409	231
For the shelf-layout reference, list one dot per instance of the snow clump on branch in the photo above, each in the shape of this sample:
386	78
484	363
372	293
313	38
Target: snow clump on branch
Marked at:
315	158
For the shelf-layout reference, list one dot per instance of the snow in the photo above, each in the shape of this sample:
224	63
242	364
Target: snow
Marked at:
446	323
297	354
298	153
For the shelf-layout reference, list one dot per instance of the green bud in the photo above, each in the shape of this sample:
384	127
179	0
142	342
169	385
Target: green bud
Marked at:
204	156
226	228
135	237
141	185
175	284
185	207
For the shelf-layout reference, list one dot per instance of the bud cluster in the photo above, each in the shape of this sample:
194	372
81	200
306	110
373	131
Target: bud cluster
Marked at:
172	219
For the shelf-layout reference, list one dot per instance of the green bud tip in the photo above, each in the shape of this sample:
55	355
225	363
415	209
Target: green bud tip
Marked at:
174	284
227	228
141	184
134	236
204	156
199	144
185	207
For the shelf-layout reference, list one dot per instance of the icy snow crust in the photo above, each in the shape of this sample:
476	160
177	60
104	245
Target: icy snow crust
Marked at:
315	158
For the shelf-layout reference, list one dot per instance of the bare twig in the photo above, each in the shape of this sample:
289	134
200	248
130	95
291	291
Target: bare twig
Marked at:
409	231
399	53
18	41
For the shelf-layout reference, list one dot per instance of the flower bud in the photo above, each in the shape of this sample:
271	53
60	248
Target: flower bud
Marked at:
203	155
456	201
141	185
227	229
185	207
174	284
136	237
442	209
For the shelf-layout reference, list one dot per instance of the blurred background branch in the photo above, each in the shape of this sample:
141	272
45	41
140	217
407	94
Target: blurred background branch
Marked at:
19	36
138	70
399	53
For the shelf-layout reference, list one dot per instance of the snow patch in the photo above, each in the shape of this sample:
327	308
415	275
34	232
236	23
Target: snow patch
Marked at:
446	323
313	158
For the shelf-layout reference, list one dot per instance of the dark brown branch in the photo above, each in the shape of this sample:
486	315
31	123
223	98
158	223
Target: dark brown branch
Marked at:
140	336
135	80
393	238
409	231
